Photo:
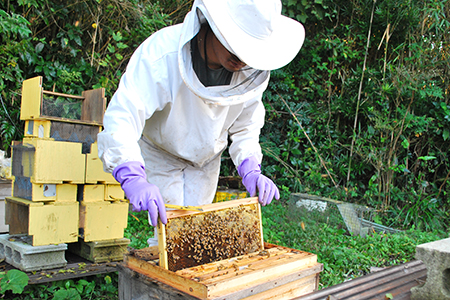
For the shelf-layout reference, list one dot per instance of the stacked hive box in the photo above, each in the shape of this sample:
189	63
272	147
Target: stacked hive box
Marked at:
60	192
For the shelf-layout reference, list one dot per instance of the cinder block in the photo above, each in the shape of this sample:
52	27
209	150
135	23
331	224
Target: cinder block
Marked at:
17	252
104	220
94	168
100	192
47	222
101	251
46	161
436	256
23	188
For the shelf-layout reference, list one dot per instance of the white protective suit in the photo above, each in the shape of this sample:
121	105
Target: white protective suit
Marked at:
162	116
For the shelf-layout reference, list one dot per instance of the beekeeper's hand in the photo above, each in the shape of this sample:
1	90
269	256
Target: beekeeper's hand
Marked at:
250	171
142	194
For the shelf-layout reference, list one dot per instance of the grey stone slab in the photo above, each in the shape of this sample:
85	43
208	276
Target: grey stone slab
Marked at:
20	254
436	256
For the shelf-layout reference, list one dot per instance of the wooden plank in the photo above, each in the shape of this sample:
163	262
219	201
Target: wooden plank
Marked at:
134	285
239	267
162	242
153	271
212	207
31	98
94	105
72	271
294	280
63	95
249	276
287	291
230	263
16	216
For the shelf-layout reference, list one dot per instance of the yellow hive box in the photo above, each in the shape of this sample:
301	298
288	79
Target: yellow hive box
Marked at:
103	220
46	105
47	161
94	169
23	188
47	222
101	192
229	194
63	131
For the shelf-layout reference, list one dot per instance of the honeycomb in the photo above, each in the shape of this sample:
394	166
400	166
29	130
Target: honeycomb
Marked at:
211	236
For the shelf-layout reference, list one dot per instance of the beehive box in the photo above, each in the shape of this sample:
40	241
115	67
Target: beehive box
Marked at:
102	220
86	134
24	188
219	231
100	192
94	169
48	162
38	104
272	273
47	222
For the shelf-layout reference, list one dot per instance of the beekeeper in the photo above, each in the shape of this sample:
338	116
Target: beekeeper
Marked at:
186	90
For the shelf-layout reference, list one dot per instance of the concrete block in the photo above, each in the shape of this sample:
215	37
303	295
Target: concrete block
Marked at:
436	256
101	251
17	252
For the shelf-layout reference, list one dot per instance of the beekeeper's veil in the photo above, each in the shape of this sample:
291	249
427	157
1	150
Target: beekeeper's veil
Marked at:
255	31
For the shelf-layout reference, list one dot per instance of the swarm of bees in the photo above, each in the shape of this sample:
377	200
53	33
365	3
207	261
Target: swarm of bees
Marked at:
212	236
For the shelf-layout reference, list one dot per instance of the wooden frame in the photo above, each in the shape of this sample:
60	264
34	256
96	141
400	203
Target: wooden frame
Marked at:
213	207
92	109
273	273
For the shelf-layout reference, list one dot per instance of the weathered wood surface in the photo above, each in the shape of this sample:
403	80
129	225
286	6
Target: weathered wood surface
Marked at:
396	281
77	267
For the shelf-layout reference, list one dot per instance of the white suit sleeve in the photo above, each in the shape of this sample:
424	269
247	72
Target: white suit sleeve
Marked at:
245	131
141	92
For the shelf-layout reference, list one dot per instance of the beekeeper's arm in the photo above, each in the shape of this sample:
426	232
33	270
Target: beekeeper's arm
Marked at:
245	152
140	94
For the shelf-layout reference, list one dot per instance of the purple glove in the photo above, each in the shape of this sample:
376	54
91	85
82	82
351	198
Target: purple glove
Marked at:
250	171
142	194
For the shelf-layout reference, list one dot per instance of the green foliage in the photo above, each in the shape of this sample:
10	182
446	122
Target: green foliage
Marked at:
138	230
13	280
344	256
93	287
75	47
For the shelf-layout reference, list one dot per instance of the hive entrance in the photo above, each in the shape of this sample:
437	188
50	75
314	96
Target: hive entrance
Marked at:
222	230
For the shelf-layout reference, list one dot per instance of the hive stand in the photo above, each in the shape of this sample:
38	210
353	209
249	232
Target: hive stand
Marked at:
60	192
436	256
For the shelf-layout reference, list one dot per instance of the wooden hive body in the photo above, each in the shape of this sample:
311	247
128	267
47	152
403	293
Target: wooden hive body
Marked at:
252	269
273	273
